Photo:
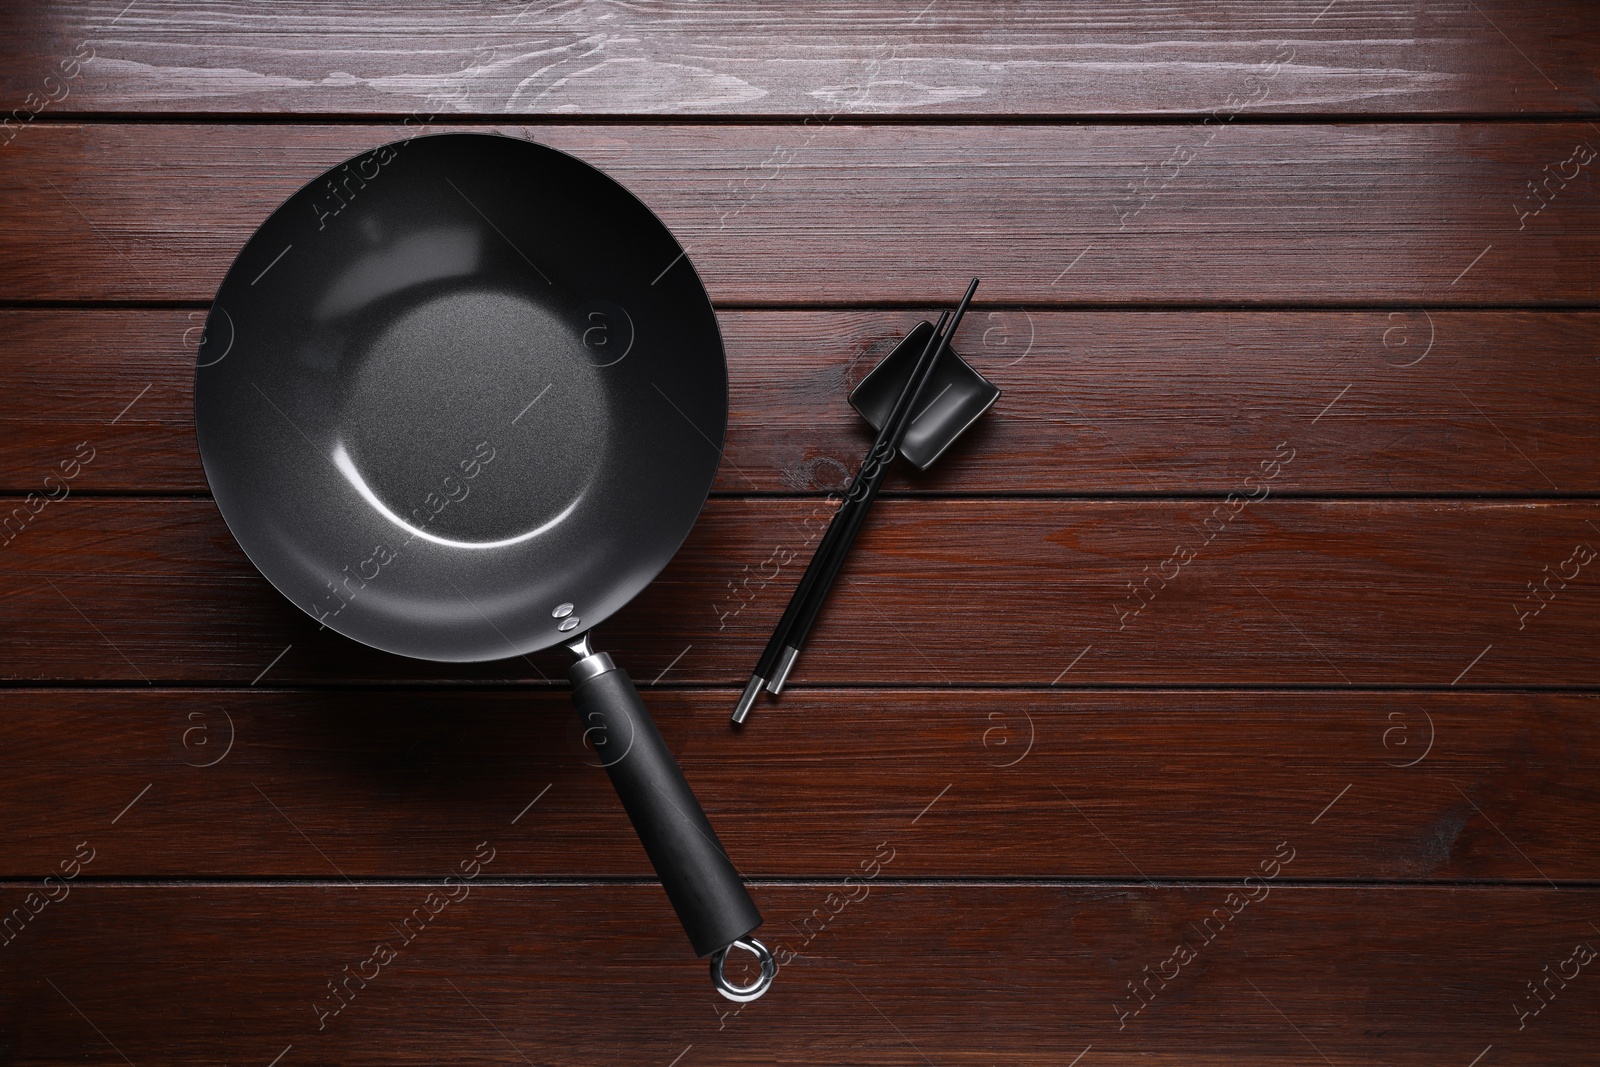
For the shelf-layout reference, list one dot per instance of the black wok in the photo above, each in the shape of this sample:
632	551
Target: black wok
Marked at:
461	398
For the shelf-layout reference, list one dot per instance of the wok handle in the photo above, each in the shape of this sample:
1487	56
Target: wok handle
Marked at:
700	880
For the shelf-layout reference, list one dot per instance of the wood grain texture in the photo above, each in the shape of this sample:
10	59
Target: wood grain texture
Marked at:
1000	783
902	58
940	974
973	592
1280	543
1094	402
1395	214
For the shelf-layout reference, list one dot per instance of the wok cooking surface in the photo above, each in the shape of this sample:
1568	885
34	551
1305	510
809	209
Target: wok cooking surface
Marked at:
461	396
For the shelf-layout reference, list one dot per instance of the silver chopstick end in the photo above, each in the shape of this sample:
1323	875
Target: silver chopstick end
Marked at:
747	699
780	671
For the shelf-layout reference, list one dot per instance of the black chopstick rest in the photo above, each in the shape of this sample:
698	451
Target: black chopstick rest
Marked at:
955	399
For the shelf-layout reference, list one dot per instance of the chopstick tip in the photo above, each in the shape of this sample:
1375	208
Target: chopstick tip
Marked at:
747	700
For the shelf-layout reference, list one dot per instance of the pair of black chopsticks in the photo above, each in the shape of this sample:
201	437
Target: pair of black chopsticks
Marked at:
772	670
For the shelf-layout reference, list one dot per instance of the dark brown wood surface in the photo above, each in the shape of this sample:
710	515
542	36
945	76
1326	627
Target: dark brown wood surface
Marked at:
962	974
1102	402
1277	593
1045	784
1410	214
1277	543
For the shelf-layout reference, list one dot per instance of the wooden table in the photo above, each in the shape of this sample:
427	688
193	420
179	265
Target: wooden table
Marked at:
1228	695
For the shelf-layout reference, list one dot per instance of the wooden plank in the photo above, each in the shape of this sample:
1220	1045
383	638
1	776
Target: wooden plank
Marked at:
1017	784
1391	214
807	59
1093	402
945	974
974	592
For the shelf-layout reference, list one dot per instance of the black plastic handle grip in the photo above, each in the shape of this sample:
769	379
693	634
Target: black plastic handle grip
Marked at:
704	888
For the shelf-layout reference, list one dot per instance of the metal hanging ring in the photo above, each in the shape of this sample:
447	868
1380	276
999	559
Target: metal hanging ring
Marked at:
744	994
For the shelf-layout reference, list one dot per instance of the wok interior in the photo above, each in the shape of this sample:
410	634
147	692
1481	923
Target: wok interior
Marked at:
489	387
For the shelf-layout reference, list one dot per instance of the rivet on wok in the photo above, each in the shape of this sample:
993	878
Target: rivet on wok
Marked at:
562	611
570	623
